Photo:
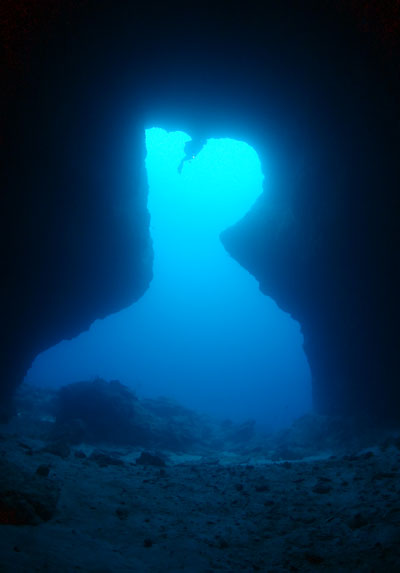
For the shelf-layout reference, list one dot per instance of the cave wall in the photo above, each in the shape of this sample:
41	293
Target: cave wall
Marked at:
75	243
307	84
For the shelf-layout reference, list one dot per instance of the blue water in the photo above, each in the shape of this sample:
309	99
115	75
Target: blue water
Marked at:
203	333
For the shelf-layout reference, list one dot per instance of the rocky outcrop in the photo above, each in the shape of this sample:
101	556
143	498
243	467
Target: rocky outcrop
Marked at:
25	498
305	85
322	245
75	243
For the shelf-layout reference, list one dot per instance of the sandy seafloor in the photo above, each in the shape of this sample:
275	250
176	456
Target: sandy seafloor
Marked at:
220	511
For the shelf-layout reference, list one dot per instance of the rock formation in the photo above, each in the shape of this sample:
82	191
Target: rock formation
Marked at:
306	85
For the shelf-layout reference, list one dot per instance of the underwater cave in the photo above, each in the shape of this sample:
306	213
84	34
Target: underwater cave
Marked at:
203	333
199	299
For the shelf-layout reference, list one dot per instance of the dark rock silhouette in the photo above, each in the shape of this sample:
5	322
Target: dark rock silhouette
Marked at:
102	411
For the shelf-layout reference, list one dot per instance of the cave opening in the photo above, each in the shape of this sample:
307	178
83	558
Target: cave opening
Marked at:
203	334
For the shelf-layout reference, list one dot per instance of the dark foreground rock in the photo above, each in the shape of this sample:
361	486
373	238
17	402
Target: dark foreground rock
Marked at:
26	498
